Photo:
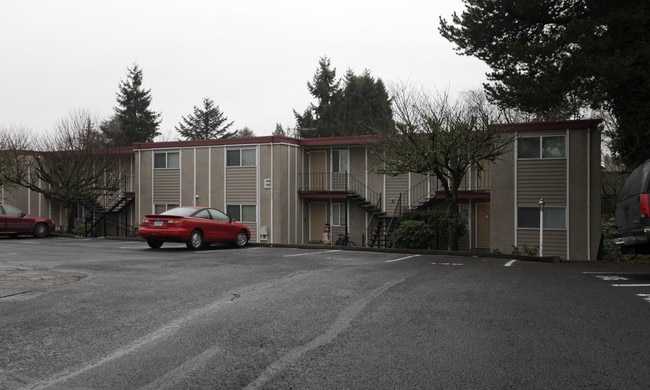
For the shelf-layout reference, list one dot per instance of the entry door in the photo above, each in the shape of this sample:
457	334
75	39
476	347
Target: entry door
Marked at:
318	170
317	220
482	225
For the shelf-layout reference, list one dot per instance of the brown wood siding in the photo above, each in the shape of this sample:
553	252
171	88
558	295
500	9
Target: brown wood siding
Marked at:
554	241
167	185
241	187
541	179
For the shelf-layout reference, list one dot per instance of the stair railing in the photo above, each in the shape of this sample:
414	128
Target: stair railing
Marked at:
358	187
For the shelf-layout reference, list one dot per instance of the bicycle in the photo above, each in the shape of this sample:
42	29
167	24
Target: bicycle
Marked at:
344	240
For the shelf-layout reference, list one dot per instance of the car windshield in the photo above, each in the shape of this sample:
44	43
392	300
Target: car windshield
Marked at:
180	211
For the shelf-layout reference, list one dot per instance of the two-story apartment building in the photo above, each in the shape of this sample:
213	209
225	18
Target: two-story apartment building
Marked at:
288	190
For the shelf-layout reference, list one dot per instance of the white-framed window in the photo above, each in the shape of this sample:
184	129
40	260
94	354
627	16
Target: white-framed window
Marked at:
241	157
242	212
554	217
166	160
340	161
339	214
541	147
159	208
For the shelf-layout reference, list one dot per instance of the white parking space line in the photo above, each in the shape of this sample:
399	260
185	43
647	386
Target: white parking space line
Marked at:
452	264
510	263
311	253
621	277
631	285
401	258
611	277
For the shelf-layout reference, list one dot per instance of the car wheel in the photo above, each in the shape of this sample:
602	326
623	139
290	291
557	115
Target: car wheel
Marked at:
40	230
196	240
242	239
154	244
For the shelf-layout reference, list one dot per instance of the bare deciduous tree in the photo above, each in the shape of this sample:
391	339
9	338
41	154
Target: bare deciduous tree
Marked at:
435	135
68	166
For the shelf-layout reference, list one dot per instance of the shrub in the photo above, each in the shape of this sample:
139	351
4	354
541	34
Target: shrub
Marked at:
411	234
438	222
525	250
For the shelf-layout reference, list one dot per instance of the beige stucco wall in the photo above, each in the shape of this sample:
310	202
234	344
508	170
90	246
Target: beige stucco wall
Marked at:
502	199
584	194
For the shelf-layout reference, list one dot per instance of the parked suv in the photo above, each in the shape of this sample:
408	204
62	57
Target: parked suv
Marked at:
633	212
14	222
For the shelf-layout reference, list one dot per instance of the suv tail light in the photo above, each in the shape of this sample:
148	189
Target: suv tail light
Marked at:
644	205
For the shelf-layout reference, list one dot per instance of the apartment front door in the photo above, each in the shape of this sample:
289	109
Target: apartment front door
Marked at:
482	225
317	220
318	170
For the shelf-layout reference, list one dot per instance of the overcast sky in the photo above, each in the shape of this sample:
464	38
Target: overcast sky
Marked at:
252	57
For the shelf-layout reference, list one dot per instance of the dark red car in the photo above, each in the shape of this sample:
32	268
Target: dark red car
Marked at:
195	226
14	222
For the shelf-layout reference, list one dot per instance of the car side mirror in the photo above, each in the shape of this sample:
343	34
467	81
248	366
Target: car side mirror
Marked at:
233	219
22	214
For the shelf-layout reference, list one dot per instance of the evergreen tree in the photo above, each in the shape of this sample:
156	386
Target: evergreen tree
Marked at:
361	106
366	105
205	123
554	57
321	120
133	120
279	130
245	132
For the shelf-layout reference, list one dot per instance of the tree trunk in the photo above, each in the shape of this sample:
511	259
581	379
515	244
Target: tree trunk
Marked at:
71	214
454	234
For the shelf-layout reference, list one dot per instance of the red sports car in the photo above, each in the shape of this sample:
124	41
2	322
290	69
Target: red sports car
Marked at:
195	226
14	222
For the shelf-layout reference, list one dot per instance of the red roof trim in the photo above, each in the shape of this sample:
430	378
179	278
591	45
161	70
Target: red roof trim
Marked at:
345	140
554	125
353	139
217	142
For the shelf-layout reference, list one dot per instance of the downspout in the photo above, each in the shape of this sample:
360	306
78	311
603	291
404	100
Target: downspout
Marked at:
289	193
516	210
589	194
210	176
272	192
196	196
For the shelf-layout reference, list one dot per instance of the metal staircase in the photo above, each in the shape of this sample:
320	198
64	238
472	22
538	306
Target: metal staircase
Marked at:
420	195
108	206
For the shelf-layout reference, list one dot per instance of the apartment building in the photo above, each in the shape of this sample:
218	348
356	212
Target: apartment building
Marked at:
296	191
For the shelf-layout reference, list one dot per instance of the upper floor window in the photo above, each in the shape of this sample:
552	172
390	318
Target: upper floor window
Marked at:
168	160
340	161
241	157
541	147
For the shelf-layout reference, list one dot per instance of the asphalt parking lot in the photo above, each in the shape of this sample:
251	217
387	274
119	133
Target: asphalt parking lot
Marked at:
113	314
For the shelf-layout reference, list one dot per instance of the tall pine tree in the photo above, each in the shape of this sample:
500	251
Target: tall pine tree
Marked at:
205	123
361	106
133	120
554	57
